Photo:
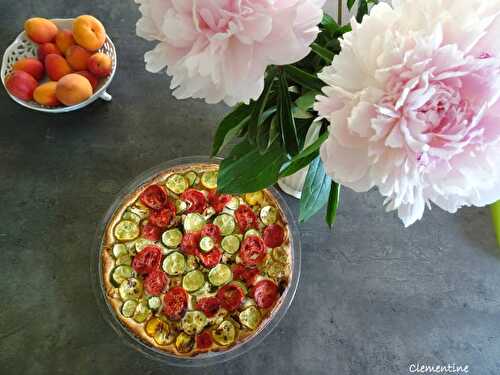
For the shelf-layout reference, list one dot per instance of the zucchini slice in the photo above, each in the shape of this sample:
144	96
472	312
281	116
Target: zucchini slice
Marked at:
191	263
252	232
180	206
172	238
279	254
177	183
128	308
193	281
130	289
194	222
120	274
126	230
191	177
225	223
193	322
209	179
233	204
219	275
141	243
268	215
225	333
142	312
154	302
119	249
250	317
184	343
230	244
254	198
130	216
206	244
174	264
159	331
125	260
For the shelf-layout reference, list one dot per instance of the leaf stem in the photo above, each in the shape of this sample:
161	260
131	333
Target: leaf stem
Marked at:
340	10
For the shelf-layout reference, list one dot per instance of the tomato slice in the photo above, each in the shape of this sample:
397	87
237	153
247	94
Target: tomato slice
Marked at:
155	282
163	217
151	232
210	259
230	297
265	293
196	200
148	260
246	218
273	235
212	231
154	197
245	274
209	306
252	251
204	340
190	243
175	303
218	201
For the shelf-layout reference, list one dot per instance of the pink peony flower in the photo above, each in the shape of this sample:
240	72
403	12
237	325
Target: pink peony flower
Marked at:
413	102
219	49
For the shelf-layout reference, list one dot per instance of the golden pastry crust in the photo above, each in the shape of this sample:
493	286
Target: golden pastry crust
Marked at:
108	264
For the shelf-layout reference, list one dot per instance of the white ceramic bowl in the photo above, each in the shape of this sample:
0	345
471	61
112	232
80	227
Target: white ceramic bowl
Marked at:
23	47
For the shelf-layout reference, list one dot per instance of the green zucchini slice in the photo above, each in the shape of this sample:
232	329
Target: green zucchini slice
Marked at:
250	317
177	183
191	177
194	222
142	312
268	215
174	264
219	275
233	204
230	244
209	179
119	249
225	333
193	281
184	343
130	289
193	322
207	244
120	274
226	224
128	308
154	302
280	255
130	216
172	238
126	230
252	232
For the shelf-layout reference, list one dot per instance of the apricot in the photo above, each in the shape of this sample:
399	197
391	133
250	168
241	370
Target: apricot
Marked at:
100	64
21	84
56	66
30	66
89	32
40	30
45	94
77	57
73	89
64	40
94	81
46	49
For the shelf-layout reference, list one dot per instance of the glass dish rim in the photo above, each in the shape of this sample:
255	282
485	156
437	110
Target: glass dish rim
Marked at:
211	358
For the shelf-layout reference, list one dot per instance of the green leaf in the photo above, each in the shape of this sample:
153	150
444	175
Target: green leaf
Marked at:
316	190
306	101
303	78
233	121
256	118
333	204
263	139
362	10
350	3
325	54
302	159
246	170
329	24
285	117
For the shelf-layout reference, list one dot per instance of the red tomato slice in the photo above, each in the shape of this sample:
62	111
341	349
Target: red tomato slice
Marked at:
247	275
175	303
218	202
230	297
155	282
210	259
246	218
213	231
253	251
265	293
190	241
273	235
148	260
208	305
151	232
162	218
154	197
196	200
204	340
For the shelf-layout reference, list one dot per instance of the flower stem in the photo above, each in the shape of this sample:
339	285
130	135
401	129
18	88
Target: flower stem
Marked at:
340	10
495	213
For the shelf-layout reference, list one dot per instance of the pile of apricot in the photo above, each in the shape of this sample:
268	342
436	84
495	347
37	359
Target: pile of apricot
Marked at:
68	57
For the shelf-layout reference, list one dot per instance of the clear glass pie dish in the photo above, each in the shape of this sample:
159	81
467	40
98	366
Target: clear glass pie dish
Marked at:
108	308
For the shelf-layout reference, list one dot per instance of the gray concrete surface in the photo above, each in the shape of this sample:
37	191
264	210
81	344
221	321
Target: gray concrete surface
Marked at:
373	299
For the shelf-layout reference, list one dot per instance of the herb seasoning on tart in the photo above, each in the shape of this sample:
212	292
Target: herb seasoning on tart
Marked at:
189	270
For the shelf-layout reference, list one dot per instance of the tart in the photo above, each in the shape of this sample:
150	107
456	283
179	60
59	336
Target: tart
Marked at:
188	270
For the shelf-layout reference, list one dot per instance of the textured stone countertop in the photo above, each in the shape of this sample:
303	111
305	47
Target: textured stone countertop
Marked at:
373	298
